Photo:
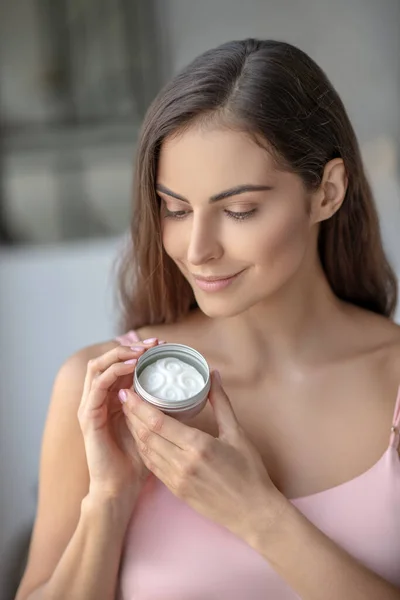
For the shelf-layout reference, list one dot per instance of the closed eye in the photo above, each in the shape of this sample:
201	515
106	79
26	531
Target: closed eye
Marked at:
238	216
176	214
241	216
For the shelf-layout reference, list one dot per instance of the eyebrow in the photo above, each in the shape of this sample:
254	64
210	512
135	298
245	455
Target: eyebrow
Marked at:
235	191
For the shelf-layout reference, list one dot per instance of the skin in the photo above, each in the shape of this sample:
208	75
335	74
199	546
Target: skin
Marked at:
319	372
308	388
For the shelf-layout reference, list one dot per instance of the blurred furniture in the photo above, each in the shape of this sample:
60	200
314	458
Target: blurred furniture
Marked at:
66	170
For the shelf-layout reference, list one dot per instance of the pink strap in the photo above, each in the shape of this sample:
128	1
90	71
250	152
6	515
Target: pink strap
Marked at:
128	338
395	431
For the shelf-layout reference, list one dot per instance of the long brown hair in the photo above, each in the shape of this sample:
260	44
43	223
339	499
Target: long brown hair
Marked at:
278	94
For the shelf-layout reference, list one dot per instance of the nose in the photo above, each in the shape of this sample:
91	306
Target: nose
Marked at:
204	244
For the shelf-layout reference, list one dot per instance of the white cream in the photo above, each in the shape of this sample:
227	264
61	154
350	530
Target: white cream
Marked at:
171	379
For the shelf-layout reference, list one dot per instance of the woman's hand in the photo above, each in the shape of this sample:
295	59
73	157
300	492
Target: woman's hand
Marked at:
115	467
222	478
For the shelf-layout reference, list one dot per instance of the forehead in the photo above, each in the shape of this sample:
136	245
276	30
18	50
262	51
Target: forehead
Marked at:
211	160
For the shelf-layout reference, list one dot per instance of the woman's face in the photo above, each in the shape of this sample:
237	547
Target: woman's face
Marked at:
227	212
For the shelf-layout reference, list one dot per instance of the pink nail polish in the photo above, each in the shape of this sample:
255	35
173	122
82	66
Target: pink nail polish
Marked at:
137	348
132	361
150	341
123	396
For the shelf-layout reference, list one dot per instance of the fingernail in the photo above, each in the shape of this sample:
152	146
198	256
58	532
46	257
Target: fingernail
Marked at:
150	341
137	348
161	342
123	396
132	361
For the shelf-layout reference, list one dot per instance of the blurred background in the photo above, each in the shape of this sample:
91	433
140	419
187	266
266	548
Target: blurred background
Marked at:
76	77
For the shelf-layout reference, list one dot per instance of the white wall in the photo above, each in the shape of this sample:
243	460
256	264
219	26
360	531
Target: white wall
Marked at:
355	41
51	304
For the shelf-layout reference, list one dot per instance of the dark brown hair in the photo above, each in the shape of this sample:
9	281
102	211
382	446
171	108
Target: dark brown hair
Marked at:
275	92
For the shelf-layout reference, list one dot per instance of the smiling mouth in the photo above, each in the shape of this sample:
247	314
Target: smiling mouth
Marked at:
215	277
216	283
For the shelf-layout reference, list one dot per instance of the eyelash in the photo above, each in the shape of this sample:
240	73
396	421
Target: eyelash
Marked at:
237	216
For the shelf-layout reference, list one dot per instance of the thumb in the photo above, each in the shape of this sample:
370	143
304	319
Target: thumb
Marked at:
227	422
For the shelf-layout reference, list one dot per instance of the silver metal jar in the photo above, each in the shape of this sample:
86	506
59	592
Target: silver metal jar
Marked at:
180	409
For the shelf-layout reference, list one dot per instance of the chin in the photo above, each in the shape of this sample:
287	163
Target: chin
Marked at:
222	307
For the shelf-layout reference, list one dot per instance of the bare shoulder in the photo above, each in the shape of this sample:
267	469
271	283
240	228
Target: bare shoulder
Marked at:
81	357
384	336
63	478
69	380
73	370
380	338
393	362
372	332
194	325
394	351
166	332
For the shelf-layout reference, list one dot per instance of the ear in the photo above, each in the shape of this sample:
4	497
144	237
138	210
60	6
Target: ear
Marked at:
331	193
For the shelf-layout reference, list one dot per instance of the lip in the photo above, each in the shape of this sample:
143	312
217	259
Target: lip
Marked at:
214	277
214	284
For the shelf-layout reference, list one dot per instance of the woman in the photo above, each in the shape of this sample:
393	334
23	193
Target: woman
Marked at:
255	240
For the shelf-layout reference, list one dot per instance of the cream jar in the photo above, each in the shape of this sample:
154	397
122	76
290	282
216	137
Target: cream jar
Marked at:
173	386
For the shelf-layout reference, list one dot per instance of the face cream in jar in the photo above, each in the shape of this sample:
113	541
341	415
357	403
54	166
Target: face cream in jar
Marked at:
175	378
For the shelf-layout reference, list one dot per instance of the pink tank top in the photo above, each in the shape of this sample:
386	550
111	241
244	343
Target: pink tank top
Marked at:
173	553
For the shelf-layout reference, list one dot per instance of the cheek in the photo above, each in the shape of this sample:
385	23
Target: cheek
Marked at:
276	243
174	243
282	244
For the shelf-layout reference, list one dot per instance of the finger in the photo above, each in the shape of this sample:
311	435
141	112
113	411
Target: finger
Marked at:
132	336
150	444
153	460
102	363
227	422
117	354
174	431
150	342
134	341
101	384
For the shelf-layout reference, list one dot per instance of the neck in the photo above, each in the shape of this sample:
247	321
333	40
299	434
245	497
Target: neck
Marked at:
288	329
